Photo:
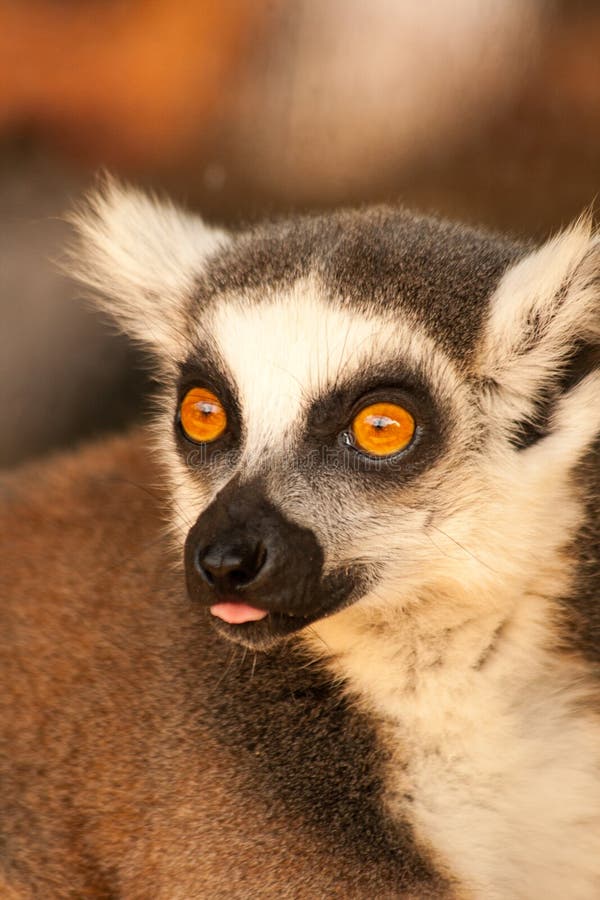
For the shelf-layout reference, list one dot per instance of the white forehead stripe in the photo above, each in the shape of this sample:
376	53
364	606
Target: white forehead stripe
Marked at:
286	350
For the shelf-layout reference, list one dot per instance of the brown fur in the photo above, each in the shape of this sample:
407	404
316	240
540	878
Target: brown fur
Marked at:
120	773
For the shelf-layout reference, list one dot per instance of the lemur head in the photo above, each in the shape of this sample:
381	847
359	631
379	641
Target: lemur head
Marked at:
362	411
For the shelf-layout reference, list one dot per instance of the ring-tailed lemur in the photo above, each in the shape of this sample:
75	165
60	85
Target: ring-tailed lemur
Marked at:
359	663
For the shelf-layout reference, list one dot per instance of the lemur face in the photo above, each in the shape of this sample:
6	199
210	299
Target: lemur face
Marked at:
312	441
360	411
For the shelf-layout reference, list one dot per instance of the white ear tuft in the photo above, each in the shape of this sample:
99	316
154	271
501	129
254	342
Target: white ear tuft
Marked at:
545	309
141	257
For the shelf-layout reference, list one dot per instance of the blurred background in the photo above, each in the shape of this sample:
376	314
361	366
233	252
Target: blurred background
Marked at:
483	110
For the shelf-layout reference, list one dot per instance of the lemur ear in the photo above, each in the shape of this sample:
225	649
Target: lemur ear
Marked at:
141	258
541	342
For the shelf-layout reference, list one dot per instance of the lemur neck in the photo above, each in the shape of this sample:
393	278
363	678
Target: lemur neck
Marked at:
479	721
431	662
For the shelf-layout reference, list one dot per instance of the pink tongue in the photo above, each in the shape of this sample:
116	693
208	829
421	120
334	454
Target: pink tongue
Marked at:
236	613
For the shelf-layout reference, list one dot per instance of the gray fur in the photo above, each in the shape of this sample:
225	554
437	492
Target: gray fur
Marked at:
375	258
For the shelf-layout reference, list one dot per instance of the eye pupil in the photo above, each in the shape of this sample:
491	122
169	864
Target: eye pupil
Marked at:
379	422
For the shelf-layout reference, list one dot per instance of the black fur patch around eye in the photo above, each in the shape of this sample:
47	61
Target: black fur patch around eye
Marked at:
331	416
205	369
584	360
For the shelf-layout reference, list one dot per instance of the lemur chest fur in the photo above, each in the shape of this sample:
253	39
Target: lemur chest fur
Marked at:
491	754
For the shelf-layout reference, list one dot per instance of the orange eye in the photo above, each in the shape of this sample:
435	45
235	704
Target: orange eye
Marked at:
202	416
383	429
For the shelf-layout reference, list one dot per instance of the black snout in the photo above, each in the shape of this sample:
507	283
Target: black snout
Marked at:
243	549
227	566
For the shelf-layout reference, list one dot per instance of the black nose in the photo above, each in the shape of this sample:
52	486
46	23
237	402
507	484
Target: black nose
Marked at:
229	567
